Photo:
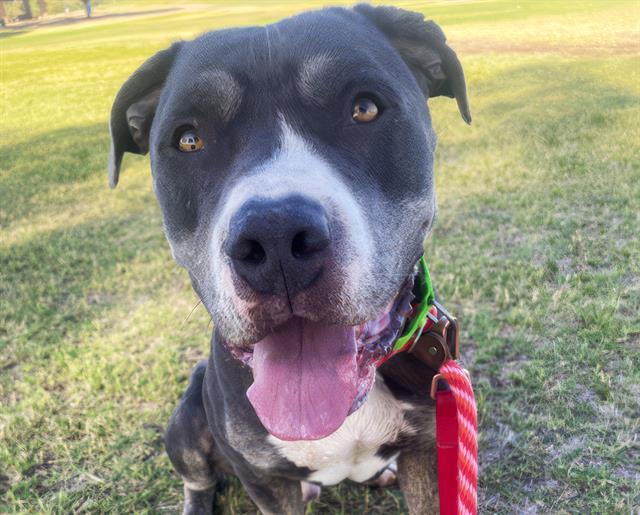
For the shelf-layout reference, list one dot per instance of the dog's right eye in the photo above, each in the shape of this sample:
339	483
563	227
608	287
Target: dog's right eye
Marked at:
188	141
364	110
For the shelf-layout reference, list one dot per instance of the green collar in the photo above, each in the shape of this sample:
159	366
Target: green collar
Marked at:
425	301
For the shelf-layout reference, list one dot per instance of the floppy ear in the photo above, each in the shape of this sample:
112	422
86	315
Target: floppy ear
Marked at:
134	108
423	47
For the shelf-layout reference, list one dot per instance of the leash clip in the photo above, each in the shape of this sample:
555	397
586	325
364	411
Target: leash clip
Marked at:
451	331
438	344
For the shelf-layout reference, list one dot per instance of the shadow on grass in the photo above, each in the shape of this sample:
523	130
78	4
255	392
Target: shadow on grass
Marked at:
32	167
48	282
9	33
540	106
43	278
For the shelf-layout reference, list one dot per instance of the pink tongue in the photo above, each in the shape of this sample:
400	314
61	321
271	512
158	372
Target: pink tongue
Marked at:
305	379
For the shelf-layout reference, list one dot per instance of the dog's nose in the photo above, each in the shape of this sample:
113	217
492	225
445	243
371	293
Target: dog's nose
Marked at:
279	246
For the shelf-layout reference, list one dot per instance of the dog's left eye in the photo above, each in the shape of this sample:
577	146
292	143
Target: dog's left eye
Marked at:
189	141
364	110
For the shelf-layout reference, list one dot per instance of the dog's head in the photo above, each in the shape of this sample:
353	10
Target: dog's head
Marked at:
293	164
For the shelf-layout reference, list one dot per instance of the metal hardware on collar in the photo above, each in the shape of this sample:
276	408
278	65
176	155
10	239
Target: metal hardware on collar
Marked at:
452	331
432	336
438	344
434	385
444	331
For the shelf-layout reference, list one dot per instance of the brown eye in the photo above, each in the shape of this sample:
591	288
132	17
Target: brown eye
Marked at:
190	142
364	110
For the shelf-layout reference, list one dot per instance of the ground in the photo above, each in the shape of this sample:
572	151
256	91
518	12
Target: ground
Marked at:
536	249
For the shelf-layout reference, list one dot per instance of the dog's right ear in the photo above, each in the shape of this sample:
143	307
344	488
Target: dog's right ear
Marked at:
423	47
134	107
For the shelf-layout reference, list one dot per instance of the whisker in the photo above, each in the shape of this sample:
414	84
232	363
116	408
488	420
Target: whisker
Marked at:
192	310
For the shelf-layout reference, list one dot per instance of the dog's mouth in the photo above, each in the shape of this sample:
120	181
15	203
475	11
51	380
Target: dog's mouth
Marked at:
309	376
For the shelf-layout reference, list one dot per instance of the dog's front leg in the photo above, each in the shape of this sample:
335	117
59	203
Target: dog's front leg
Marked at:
418	479
273	496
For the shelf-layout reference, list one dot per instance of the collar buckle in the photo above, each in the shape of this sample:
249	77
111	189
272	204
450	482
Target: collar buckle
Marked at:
438	343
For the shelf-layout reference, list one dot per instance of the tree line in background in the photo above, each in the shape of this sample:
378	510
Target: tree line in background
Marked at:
27	12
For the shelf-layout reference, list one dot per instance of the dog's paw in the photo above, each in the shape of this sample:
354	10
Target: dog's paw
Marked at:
387	477
310	491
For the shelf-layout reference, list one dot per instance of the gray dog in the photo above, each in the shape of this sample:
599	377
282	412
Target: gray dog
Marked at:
293	164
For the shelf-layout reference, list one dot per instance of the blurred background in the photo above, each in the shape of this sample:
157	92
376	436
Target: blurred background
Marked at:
536	250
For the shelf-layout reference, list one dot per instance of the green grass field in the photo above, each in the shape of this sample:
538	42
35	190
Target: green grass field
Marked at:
536	249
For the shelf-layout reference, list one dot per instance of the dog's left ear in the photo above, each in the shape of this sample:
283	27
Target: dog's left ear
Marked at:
423	47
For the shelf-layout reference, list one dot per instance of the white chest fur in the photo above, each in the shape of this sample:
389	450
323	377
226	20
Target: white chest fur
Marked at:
350	452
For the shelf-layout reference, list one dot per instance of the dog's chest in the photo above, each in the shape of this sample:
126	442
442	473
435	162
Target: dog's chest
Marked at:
350	452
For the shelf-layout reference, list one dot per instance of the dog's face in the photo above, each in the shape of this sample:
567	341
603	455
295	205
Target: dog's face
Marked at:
293	165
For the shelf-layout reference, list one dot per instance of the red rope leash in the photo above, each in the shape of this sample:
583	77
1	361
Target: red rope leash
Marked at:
457	432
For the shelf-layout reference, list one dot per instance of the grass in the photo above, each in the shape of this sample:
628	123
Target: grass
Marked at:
536	249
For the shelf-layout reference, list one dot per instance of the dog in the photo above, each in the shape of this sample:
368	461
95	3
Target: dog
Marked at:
293	165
